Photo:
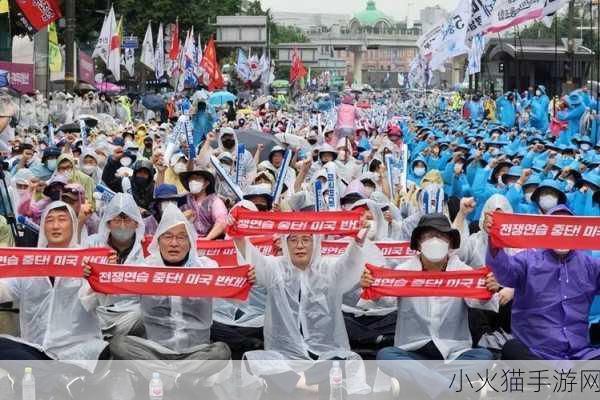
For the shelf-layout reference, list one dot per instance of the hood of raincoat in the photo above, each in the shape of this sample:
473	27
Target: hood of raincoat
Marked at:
494	202
315	257
378	218
42	240
123	203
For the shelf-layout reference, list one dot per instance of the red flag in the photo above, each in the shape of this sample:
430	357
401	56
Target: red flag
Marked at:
175	45
230	283
211	66
396	283
298	69
39	13
524	231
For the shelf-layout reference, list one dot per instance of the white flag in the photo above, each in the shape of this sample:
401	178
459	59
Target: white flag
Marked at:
481	12
114	57
130	61
159	54
475	54
453	34
148	49
103	46
509	13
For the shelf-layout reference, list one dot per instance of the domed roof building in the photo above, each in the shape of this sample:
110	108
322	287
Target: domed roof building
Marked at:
371	17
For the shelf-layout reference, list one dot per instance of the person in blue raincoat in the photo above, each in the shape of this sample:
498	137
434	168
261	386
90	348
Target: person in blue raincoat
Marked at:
489	182
476	109
203	120
442	104
539	111
585	198
519	195
572	116
548	195
417	170
505	110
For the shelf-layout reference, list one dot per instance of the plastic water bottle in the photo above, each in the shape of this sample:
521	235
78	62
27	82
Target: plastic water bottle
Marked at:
335	382
28	385
156	387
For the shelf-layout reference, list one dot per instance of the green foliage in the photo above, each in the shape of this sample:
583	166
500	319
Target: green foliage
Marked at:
286	34
538	30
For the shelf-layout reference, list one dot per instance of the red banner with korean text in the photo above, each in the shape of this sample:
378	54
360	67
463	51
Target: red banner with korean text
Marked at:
524	231
19	262
39	13
222	251
395	283
230	283
391	250
248	223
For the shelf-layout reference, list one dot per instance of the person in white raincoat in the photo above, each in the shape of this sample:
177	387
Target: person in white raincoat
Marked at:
55	321
177	328
303	316
432	328
122	229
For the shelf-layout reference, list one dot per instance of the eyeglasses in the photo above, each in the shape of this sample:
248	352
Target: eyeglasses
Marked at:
122	219
179	239
295	240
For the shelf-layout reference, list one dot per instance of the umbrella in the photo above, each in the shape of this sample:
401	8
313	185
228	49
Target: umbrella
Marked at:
220	98
109	87
293	140
251	138
153	102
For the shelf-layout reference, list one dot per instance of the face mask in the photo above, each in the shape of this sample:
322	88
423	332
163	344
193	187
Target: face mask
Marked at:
342	155
368	191
538	93
180	168
528	197
312	142
228	143
419	171
548	202
51	164
458	168
500	183
165	204
196	187
88	169
125	161
140	181
434	249
585	147
495	151
122	234
570	185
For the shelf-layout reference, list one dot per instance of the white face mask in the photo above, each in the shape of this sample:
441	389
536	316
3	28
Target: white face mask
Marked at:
538	93
126	161
419	171
88	169
180	167
458	168
196	187
435	249
51	164
122	234
165	204
548	202
585	147
528	197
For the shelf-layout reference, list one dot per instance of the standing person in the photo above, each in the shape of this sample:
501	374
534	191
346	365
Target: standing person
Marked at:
507	113
347	116
202	121
177	328
206	210
554	289
57	322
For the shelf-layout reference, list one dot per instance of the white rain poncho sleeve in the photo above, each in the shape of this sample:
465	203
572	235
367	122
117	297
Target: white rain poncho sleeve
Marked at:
177	323
52	317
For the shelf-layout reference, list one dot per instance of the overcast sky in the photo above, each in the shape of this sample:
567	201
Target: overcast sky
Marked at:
394	8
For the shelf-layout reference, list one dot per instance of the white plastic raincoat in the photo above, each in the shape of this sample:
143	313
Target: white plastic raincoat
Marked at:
177	323
53	318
